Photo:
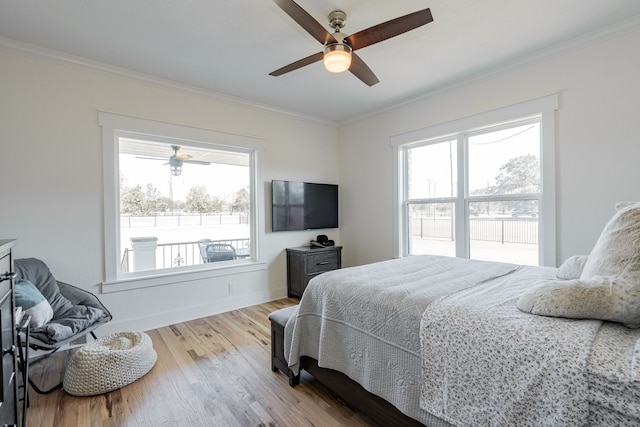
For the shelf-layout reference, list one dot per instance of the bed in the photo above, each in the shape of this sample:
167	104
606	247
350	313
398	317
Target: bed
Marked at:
450	341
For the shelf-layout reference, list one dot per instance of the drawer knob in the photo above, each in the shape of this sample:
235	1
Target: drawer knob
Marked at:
7	276
322	263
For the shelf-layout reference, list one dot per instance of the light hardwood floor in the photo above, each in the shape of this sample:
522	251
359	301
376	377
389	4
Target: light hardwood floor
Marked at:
214	371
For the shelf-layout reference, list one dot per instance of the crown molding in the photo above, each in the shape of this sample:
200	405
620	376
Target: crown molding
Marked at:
51	55
607	33
590	39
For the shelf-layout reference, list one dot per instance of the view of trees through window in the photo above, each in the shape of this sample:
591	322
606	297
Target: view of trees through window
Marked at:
139	201
178	201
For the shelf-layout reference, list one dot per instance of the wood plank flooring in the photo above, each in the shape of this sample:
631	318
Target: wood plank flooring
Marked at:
214	371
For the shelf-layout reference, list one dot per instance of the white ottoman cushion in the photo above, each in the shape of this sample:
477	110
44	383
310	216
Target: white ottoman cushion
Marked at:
109	363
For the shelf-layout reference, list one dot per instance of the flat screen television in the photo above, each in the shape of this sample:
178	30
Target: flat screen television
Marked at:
303	205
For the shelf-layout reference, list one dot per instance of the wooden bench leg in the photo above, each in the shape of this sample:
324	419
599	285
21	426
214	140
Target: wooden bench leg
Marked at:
278	361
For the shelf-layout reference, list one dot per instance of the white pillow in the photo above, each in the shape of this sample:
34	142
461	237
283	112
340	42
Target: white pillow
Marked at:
616	254
609	286
572	267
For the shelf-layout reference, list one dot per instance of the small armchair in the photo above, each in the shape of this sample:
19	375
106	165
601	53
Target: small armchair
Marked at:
202	245
220	252
76	312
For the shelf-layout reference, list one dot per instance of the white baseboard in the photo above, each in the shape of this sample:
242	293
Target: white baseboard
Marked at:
183	314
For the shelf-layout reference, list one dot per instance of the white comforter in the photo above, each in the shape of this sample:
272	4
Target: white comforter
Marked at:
480	361
365	321
486	363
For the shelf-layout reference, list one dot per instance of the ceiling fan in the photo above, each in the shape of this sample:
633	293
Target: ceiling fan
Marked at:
339	49
177	160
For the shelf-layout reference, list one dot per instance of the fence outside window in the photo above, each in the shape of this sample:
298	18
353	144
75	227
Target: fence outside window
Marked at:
502	230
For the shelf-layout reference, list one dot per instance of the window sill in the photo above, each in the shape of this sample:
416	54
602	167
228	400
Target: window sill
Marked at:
139	282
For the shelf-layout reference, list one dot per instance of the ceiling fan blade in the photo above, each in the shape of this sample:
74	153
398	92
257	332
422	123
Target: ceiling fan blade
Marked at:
362	71
389	29
305	20
151	158
197	162
298	64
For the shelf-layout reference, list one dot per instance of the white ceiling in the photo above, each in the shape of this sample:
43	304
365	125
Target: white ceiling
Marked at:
230	46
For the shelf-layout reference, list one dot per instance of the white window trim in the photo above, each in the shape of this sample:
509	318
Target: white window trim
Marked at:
114	125
544	106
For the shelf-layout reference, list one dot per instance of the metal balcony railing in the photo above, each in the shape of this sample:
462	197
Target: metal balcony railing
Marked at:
180	254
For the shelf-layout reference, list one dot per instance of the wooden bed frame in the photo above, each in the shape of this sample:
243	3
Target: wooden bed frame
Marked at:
356	397
347	390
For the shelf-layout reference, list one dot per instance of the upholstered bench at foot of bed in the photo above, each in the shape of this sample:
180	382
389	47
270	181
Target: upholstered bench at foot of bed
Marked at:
278	362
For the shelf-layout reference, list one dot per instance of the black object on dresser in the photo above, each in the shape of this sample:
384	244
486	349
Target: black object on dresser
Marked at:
8	384
306	262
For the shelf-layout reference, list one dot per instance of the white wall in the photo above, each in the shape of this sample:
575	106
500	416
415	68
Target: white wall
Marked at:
52	193
51	166
597	142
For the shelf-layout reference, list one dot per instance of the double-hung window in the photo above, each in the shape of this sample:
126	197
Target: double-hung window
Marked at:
481	187
178	200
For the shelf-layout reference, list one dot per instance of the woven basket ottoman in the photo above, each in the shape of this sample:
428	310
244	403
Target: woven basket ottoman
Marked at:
109	363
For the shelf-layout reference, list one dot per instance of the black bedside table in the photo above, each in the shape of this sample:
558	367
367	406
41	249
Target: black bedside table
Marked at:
306	262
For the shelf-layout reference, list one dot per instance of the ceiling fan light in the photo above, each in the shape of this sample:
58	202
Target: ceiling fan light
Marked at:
175	165
337	57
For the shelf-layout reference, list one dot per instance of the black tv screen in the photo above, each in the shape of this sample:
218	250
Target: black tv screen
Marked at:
303	205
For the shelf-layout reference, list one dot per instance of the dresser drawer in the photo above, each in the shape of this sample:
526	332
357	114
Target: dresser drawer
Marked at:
8	365
5	262
6	332
305	262
5	267
321	262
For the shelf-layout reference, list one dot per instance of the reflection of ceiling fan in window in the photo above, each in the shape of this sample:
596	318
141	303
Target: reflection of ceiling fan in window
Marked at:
177	160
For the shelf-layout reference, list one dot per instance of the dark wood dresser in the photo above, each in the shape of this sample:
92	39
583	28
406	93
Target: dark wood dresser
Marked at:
9	384
306	262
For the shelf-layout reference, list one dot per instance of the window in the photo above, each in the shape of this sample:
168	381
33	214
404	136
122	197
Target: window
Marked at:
178	200
480	187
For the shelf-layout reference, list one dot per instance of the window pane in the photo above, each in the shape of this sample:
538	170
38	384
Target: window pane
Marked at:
431	229
505	161
173	196
504	231
431	170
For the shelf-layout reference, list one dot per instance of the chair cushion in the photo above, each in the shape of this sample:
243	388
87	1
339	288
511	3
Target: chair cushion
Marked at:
280	317
70	318
109	363
37	272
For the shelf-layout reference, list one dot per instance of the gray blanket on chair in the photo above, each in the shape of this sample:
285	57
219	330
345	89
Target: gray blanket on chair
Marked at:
74	320
68	318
